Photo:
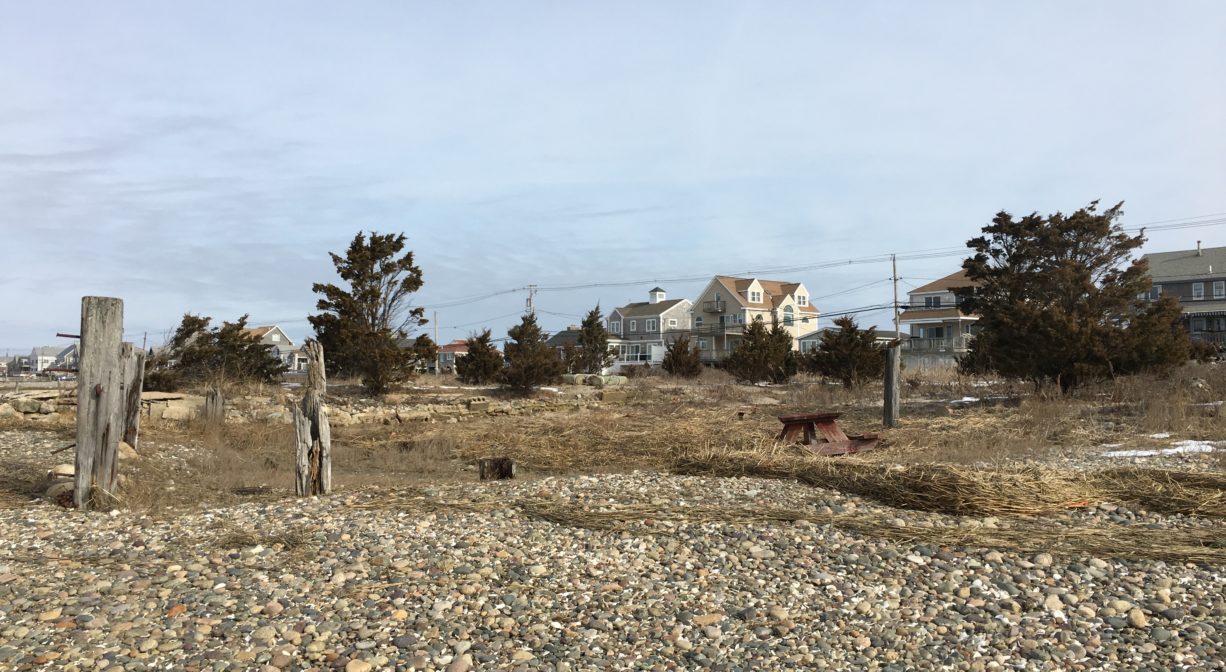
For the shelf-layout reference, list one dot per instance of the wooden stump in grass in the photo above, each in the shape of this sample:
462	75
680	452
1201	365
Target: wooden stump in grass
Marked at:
214	407
496	468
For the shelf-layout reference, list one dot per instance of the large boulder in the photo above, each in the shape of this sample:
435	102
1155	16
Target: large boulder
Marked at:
27	405
7	411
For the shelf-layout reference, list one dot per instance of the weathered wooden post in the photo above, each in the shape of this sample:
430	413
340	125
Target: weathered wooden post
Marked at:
214	407
100	401
893	384
134	379
311	430
495	468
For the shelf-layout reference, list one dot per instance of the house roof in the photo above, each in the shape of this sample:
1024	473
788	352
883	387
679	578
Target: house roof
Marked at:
457	346
648	309
562	338
1186	264
947	283
774	292
66	351
932	314
259	332
654	290
1203	307
45	351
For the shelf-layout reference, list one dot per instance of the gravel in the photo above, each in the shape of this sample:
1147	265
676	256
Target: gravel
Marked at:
363	581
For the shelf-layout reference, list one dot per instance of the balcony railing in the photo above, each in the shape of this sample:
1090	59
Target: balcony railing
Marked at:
1215	337
951	344
714	306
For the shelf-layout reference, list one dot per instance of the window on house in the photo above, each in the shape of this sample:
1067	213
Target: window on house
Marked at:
788	317
276	338
1198	324
1198	291
698	321
615	327
634	326
650	326
932	302
702	344
1219	289
755	297
801	299
1155	292
935	332
672	323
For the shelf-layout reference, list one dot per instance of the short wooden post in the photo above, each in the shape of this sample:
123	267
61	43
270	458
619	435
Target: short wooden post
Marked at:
313	434
495	468
893	385
214	407
100	401
134	381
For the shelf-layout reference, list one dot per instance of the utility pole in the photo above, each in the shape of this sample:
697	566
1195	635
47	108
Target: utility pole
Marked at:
532	299
438	356
894	277
144	342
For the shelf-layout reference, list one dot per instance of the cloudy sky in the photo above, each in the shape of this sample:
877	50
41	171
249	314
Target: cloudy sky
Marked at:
206	156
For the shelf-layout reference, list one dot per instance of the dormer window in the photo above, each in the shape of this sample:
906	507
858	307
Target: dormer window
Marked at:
755	297
932	302
802	300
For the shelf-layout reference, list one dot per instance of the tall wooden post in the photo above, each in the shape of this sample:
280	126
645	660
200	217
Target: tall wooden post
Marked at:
214	408
312	432
893	384
134	380
100	401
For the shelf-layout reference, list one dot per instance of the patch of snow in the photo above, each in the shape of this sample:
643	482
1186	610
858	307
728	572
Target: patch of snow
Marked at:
1177	448
550	389
1111	445
1160	435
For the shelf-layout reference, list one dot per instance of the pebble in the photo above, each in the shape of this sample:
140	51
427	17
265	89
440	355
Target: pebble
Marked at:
487	587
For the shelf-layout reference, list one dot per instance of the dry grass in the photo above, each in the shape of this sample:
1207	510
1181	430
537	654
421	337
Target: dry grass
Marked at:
980	491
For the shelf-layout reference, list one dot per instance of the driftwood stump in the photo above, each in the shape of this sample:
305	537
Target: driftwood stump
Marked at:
134	379
214	407
100	402
313	435
495	468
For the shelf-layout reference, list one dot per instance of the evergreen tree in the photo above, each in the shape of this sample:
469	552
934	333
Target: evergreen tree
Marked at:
530	362
682	358
847	354
1057	300
365	328
483	362
763	354
197	354
593	354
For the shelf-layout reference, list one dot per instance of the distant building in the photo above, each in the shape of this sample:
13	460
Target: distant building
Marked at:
1198	279
280	345
811	340
729	303
641	331
449	353
43	358
940	331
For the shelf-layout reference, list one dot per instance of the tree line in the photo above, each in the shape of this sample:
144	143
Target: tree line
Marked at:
1058	299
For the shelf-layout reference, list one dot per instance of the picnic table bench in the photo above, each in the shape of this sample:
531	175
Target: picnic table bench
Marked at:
807	426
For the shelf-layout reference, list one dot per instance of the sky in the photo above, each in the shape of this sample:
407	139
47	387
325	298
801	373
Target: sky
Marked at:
205	157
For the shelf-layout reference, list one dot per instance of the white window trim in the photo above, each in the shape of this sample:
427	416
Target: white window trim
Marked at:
651	324
1219	289
755	297
615	326
1198	291
672	322
702	344
634	326
802	300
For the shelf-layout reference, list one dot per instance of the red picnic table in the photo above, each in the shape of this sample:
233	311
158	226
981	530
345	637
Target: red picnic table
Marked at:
806	427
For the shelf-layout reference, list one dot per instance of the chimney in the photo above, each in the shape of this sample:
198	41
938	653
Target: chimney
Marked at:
1198	252
656	295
